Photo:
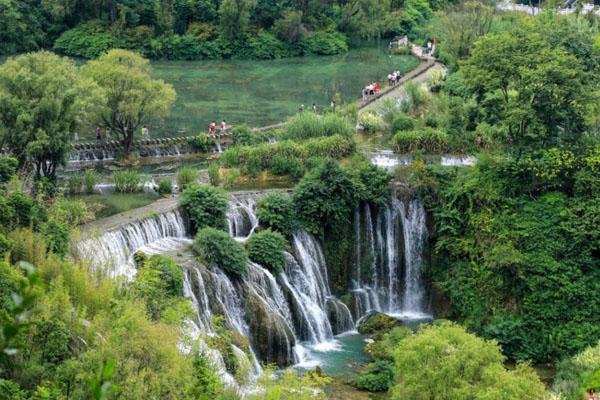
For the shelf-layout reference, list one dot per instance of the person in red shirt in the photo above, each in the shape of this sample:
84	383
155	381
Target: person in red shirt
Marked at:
212	128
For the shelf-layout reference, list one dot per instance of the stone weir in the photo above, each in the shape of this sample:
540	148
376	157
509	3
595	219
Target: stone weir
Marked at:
102	151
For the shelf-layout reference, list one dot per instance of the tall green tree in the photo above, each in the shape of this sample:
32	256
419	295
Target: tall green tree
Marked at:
43	101
234	17
133	98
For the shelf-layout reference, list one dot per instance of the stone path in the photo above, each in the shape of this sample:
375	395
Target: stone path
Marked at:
398	92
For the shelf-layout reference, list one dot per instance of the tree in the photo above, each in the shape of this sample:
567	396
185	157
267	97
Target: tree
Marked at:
133	98
538	91
43	100
445	362
234	17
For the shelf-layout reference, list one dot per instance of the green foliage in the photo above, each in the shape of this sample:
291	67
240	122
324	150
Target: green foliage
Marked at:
377	377
403	122
276	211
217	248
207	384
8	167
241	135
90	178
325	197
87	40
206	206
43	99
159	283
306	125
75	183
126	75
267	249
427	140
324	43
372	183
186	176
202	142
56	234
127	181
214	174
578	374
290	386
443	361
165	186
370	122
377	324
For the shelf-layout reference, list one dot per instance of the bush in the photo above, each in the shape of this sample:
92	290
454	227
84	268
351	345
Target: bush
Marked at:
127	181
335	147
88	40
378	377
216	247
8	167
165	186
202	142
206	206
426	140
324	43
276	211
57	237
377	324
287	166
265	46
213	174
578	374
403	122
90	178
241	135
372	183
370	122
325	197
186	176
75	183
307	125
267	249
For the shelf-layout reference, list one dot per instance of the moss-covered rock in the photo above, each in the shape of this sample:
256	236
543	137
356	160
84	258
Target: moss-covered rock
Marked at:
377	324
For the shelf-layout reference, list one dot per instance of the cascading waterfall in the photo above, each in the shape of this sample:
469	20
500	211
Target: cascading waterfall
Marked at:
393	258
113	250
241	217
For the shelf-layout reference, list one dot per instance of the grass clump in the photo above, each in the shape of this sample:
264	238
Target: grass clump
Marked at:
186	176
276	211
428	140
267	249
217	248
165	187
127	181
306	125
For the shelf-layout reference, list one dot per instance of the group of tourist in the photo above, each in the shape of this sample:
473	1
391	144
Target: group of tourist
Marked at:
371	89
394	78
212	128
591	395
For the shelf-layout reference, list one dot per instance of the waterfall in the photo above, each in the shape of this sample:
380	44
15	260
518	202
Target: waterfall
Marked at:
415	235
391	250
241	217
113	250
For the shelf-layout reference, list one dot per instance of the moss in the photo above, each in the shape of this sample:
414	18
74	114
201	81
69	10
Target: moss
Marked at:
378	324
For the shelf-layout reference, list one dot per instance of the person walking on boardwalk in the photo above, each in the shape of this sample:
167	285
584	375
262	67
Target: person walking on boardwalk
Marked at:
223	127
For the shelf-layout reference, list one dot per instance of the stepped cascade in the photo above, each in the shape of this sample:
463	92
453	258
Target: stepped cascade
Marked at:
284	316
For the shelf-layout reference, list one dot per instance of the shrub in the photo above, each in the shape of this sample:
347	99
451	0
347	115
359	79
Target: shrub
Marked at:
75	183
127	181
8	167
165	186
324	43
370	122
325	197
267	249
88	40
90	178
378	324
307	125
330	147
427	140
416	96
186	176
213	174
377	377
287	166
241	135
206	206
56	235
372	183
276	211
578	374
403	122
265	46
216	247
202	142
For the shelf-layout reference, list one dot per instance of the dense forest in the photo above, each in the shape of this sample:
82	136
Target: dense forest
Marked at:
506	247
205	29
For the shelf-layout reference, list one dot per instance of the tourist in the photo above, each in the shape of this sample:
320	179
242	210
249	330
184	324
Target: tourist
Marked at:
223	127
398	76
98	133
145	132
332	104
212	128
314	108
429	46
391	79
301	107
591	395
76	137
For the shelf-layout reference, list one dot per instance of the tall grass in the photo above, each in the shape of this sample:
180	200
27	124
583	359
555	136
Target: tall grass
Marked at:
185	177
127	181
306	125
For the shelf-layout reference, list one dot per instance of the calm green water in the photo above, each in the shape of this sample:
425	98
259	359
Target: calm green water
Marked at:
260	93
